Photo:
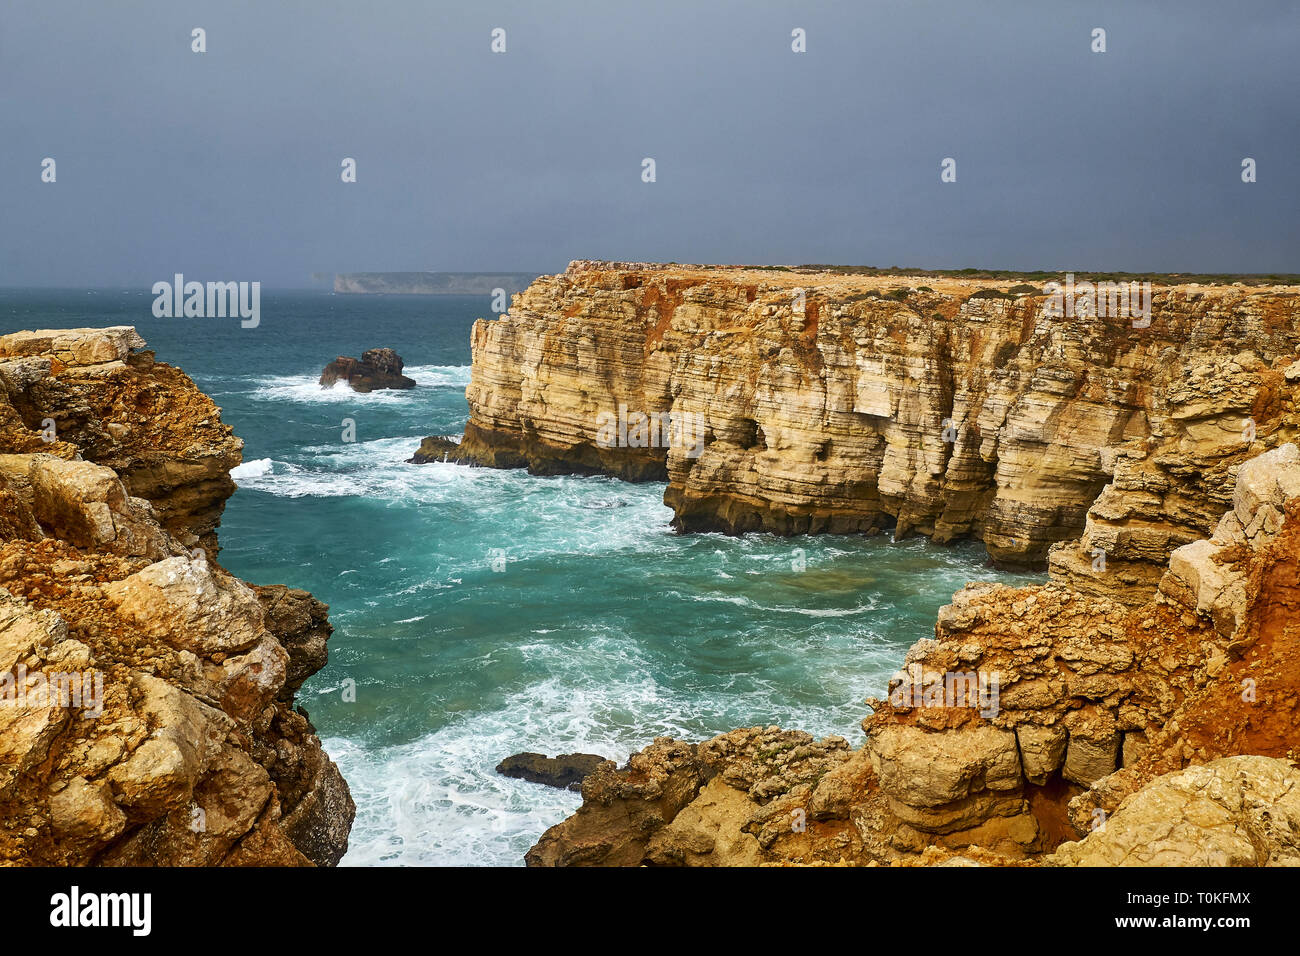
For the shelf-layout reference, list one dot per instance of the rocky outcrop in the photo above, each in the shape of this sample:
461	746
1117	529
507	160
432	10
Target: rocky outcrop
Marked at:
934	405
376	369
436	448
567	771
146	694
1041	724
636	814
98	395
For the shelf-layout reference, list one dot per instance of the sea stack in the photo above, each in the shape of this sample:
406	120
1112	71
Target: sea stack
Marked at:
376	369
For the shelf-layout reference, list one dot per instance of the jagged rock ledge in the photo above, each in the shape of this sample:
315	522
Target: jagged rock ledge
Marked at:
187	748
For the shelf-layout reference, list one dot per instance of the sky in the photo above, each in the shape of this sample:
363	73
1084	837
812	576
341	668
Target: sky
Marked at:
226	165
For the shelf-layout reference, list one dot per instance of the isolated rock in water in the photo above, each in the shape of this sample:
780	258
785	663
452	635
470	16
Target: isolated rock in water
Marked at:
436	448
566	770
376	369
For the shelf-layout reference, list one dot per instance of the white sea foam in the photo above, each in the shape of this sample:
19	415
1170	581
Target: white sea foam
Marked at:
438	800
306	388
376	470
251	469
439	376
583	685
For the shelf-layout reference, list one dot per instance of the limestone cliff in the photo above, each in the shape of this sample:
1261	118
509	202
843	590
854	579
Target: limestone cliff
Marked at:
927	404
146	694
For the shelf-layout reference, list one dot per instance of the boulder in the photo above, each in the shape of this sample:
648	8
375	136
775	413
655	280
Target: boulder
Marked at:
941	782
1087	760
1041	750
709	831
184	602
376	369
86	505
78	347
85	811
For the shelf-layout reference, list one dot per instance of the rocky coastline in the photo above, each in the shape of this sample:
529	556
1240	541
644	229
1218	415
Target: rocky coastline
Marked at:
148	710
1141	708
1161	735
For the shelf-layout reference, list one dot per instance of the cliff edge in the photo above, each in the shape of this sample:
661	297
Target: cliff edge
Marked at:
146	695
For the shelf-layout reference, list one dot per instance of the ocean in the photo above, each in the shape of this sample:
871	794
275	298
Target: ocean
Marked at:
479	613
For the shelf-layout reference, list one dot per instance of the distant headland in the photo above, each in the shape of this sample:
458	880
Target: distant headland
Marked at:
431	283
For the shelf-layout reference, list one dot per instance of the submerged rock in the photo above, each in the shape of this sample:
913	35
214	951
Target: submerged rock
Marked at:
376	369
567	771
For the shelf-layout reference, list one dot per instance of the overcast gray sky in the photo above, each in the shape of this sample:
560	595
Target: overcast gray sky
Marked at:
225	165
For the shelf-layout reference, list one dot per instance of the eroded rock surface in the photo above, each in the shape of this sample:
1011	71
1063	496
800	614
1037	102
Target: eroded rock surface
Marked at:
1237	811
436	448
171	737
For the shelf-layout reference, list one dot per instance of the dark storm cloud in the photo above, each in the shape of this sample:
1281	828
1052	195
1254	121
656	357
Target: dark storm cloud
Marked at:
225	165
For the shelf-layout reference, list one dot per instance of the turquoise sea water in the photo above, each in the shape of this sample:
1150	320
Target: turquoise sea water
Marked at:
479	613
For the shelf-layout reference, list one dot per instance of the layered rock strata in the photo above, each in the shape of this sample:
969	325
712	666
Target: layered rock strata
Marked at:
146	695
1040	725
931	405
